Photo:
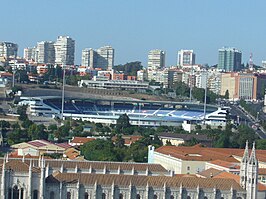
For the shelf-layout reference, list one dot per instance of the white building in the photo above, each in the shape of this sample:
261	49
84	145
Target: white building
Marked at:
45	52
156	59
100	58
64	50
30	54
186	58
8	49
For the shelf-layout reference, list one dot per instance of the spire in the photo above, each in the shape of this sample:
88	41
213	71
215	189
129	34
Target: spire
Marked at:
245	157
253	158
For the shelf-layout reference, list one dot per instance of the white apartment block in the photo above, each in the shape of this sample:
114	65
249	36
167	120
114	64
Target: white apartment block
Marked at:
156	75
30	54
64	50
156	59
45	52
8	49
186	58
100	58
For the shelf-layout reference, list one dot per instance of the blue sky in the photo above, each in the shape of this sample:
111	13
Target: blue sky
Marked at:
133	27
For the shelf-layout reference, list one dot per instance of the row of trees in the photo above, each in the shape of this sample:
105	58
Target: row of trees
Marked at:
130	68
108	150
183	90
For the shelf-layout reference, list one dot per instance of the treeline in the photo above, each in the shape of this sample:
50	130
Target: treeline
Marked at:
130	68
183	90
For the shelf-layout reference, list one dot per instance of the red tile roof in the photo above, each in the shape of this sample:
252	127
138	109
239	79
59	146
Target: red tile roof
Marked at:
198	153
81	140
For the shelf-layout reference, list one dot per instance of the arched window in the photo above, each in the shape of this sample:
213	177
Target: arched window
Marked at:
172	197
155	197
52	195
68	195
35	194
188	197
205	197
103	196
120	196
238	198
15	192
138	196
86	195
21	193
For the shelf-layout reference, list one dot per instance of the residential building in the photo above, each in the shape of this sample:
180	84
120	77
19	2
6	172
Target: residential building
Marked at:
100	58
186	58
45	52
39	147
64	50
229	59
8	49
214	81
31	178
142	75
156	59
88	57
30	54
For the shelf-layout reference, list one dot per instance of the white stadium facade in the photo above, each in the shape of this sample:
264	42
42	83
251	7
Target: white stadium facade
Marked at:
140	112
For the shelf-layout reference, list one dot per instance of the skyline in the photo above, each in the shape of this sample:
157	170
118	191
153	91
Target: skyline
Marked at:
135	28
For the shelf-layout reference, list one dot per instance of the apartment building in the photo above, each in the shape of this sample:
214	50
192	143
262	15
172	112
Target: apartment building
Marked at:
100	58
8	49
156	59
64	50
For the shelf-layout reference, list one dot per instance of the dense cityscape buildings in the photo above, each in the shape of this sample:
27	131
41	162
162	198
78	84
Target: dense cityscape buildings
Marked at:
186	58
64	50
8	49
100	58
229	59
156	59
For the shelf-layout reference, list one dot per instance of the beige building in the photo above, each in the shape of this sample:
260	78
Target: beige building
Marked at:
39	147
240	85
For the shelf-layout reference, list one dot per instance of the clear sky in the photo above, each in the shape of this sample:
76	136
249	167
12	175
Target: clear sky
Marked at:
133	27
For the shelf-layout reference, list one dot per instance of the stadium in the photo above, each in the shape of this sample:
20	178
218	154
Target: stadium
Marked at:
140	112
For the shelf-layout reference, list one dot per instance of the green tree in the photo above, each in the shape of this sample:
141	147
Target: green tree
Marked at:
99	150
261	144
130	68
22	113
226	95
122	123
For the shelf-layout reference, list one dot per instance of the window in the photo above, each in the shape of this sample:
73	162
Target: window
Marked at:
205	197
172	197
35	194
138	196
188	197
188	168
86	195
21	193
68	195
120	196
155	197
15	192
103	196
52	195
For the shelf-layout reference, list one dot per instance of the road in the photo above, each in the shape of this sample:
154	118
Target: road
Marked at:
246	118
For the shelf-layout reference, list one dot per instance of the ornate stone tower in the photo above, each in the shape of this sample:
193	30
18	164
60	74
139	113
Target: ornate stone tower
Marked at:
249	172
252	175
243	168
